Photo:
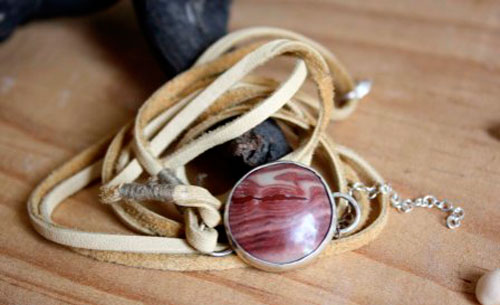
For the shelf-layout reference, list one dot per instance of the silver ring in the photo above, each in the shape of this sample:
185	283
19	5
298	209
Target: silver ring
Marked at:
357	211
221	253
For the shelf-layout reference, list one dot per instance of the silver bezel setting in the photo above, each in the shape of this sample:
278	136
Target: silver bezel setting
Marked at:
277	267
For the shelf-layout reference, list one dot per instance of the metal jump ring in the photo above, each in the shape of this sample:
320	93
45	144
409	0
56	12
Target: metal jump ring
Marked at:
361	89
357	211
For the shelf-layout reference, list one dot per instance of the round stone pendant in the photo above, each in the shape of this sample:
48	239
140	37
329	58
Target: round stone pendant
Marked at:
280	216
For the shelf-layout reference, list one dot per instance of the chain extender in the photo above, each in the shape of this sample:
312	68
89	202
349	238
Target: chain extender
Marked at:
453	221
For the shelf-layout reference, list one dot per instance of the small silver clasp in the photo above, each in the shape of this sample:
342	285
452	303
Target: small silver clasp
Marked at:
362	88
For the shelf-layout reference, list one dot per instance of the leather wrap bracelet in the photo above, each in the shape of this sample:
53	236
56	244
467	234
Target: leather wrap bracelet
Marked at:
278	216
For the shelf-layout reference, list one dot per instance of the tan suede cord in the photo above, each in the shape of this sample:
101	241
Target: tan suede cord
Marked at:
172	128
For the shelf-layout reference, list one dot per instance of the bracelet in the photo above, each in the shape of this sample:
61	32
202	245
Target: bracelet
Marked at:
279	215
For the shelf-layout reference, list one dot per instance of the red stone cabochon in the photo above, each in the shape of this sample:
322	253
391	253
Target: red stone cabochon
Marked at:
280	213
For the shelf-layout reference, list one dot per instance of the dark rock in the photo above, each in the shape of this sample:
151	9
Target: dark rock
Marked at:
54	8
16	12
180	30
220	167
262	144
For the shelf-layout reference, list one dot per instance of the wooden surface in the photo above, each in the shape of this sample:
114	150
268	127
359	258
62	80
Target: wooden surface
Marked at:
431	124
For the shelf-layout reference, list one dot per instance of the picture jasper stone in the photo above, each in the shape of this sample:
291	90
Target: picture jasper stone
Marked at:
279	213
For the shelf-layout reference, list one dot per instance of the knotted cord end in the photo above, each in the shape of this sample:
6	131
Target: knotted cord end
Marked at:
110	194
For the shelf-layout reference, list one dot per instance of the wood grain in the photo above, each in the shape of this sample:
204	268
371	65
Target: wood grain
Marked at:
431	124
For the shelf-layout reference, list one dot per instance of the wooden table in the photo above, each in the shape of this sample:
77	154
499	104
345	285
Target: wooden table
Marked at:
431	124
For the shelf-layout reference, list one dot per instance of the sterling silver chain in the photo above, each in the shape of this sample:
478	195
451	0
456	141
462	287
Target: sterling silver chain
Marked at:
455	214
